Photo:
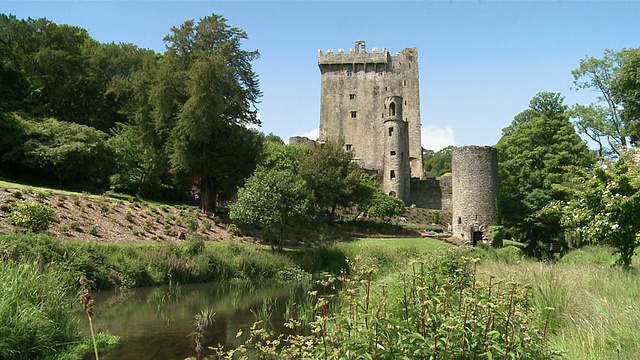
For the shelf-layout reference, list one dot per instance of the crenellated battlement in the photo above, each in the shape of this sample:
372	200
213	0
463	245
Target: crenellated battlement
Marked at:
356	55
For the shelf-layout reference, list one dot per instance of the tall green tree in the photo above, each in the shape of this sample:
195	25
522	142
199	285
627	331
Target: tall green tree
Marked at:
606	118
534	160
216	96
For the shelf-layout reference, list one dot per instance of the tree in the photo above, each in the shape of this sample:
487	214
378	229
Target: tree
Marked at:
627	89
439	163
276	201
137	171
385	206
605	209
214	99
534	161
277	155
75	154
331	174
601	75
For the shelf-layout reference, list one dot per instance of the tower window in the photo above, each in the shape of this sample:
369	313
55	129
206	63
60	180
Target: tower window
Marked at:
385	88
393	153
348	147
390	131
405	102
404	82
349	72
459	220
392	175
392	109
354	114
352	96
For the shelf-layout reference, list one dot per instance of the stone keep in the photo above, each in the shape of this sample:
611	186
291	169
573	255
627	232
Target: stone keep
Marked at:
355	86
475	189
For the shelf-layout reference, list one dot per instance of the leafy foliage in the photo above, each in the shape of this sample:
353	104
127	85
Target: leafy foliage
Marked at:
607	120
605	211
276	201
438	163
385	206
33	216
535	156
332	175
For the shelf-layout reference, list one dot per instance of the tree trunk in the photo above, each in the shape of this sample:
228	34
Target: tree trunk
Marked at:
208	195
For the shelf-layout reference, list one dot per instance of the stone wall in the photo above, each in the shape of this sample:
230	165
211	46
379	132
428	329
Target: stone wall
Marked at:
431	193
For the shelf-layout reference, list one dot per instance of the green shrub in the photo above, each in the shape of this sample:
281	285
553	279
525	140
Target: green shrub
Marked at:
234	230
497	236
194	245
33	216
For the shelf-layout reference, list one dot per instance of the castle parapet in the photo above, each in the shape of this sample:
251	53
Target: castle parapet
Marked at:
352	58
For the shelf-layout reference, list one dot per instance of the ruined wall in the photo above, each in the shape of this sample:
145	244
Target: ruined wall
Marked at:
431	193
354	86
475	188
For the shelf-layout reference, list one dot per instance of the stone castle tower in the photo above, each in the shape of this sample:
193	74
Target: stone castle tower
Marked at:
396	174
356	87
475	189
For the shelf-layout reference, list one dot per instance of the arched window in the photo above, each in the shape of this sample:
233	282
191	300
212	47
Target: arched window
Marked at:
392	109
392	193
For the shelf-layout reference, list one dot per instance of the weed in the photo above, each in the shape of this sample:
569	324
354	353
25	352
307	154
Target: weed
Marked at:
205	225
104	207
93	230
234	230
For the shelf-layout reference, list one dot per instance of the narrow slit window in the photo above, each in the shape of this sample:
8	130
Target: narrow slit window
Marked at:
354	114
404	82
352	96
390	131
349	72
392	175
348	147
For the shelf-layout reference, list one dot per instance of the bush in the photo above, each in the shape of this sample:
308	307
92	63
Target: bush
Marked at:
33	216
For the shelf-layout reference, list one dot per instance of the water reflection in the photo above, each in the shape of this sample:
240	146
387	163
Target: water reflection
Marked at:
158	322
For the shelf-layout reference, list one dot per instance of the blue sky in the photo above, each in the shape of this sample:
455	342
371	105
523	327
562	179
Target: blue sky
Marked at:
480	62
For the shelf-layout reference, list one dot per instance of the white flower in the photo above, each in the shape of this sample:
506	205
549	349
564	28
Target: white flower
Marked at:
614	226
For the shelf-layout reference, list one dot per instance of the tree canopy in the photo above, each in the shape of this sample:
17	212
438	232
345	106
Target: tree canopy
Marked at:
535	157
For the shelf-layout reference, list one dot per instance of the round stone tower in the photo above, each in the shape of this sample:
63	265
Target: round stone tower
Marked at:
475	189
396	171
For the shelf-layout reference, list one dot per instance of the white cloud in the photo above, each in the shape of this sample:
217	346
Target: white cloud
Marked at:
313	134
436	138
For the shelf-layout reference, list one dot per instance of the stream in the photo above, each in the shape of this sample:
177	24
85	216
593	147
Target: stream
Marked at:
158	322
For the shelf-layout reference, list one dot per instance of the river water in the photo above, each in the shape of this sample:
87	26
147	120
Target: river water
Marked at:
158	322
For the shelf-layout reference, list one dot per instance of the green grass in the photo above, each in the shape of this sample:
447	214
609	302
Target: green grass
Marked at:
422	244
595	312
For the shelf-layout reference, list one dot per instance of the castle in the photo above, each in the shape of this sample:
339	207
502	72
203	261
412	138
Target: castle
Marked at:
371	100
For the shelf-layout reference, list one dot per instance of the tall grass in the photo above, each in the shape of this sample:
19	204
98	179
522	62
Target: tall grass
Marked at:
596	311
35	312
109	265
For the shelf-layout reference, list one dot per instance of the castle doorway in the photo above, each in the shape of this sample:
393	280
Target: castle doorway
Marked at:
477	237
